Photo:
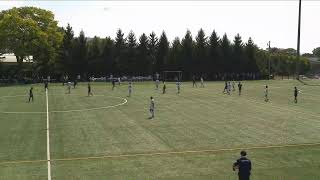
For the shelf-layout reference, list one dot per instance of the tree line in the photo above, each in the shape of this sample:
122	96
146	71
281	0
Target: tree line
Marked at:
206	55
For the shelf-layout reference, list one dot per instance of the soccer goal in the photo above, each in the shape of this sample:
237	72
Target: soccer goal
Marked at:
172	75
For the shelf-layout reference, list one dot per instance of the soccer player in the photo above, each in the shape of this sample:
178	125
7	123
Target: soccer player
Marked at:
233	86
74	83
194	81
239	87
31	94
119	81
69	87
157	84
178	86
202	83
89	90
266	92
229	88
151	107
130	88
243	164
164	88
225	87
295	93
45	85
113	84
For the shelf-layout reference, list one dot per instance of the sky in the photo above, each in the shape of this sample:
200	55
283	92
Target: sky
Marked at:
264	21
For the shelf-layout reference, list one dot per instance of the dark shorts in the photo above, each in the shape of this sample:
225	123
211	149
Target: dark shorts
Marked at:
244	177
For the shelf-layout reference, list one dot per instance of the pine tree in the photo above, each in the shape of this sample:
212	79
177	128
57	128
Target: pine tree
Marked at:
152	47
187	49
250	55
119	51
175	60
130	62
107	56
143	61
225	52
214	53
200	52
237	55
162	53
65	64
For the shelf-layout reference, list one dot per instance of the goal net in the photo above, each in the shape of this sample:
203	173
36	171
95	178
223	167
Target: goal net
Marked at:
172	75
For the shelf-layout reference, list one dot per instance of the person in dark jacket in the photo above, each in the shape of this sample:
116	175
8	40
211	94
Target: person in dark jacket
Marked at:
243	164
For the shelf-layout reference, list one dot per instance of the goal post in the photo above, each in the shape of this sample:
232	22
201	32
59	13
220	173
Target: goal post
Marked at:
172	75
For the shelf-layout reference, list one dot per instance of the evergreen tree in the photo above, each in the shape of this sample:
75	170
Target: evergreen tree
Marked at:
80	55
162	53
187	49
65	62
250	51
130	64
119	52
200	53
94	55
175	60
226	54
107	56
143	61
237	55
214	63
152	47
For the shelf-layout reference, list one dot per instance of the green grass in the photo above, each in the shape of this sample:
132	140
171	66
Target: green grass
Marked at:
195	120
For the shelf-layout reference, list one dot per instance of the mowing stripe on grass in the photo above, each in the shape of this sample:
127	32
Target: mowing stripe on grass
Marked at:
164	153
187	152
48	138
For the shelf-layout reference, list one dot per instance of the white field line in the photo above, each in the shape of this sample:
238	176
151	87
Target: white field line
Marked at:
97	108
48	138
67	111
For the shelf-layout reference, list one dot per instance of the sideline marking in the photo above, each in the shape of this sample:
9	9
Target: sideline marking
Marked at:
48	138
167	153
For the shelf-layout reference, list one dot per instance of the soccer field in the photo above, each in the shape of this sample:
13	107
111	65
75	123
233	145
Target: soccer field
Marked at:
197	134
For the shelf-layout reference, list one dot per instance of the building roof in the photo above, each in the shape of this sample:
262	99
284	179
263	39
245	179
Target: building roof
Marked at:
11	58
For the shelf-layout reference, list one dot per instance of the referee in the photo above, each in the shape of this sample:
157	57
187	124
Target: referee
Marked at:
243	164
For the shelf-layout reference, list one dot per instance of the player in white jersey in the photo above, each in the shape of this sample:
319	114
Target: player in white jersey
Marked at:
130	89
266	92
69	87
119	81
229	87
151	107
157	84
178	86
202	83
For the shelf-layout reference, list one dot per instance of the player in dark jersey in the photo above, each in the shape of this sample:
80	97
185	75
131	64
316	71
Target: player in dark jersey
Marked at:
164	88
45	85
113	84
31	94
295	93
194	81
243	164
239	87
89	90
75	83
225	87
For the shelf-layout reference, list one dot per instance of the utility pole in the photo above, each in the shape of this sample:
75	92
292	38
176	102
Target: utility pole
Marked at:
298	42
269	45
